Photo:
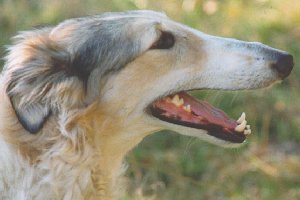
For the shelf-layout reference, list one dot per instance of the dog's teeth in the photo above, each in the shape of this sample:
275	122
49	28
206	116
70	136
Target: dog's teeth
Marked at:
247	132
176	97
241	127
181	101
177	101
187	108
248	127
242	118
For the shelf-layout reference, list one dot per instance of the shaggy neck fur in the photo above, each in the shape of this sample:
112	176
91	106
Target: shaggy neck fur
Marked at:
79	161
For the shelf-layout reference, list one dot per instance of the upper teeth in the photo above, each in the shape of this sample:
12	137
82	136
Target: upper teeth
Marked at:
243	127
187	108
242	118
177	101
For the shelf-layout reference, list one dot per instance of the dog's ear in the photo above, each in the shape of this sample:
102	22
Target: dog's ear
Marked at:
34	66
31	116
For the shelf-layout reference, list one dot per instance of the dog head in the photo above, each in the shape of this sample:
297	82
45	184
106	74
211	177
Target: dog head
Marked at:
136	66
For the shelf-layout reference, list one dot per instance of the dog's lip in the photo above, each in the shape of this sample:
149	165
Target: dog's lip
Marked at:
200	116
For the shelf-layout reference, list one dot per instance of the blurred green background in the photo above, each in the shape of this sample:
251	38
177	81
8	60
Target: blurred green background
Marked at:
169	166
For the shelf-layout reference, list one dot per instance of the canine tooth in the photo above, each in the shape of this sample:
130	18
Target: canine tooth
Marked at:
247	132
175	98
248	127
242	118
241	127
187	108
177	101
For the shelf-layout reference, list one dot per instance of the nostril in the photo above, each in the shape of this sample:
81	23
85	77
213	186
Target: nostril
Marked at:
284	65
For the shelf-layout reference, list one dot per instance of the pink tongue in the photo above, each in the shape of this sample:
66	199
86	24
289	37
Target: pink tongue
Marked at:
202	112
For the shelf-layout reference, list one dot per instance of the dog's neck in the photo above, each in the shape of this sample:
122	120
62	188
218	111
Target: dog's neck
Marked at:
84	159
102	139
113	137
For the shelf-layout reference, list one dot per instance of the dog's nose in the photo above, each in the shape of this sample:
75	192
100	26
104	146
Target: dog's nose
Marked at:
283	65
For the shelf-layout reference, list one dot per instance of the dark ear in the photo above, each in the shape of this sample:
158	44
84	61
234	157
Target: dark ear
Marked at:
35	64
31	116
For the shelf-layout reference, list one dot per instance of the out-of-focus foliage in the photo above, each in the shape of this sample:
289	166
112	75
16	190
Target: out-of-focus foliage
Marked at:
169	166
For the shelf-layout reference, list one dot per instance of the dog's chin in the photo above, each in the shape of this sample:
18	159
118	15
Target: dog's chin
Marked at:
202	135
184	114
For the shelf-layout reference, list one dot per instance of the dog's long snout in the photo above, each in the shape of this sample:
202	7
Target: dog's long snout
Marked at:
283	65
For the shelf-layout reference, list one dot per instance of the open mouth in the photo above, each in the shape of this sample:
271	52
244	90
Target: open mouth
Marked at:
183	109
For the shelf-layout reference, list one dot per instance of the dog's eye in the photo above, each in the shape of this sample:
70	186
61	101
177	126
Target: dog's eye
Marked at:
165	41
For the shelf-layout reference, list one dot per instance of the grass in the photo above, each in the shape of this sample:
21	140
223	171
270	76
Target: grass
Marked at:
169	166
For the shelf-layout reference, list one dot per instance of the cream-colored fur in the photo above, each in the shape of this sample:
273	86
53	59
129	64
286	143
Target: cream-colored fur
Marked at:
78	152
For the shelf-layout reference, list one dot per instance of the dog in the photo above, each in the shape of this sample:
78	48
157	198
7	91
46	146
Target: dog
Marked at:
78	96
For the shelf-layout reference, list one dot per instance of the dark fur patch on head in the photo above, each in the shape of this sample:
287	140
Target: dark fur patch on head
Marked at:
106	46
